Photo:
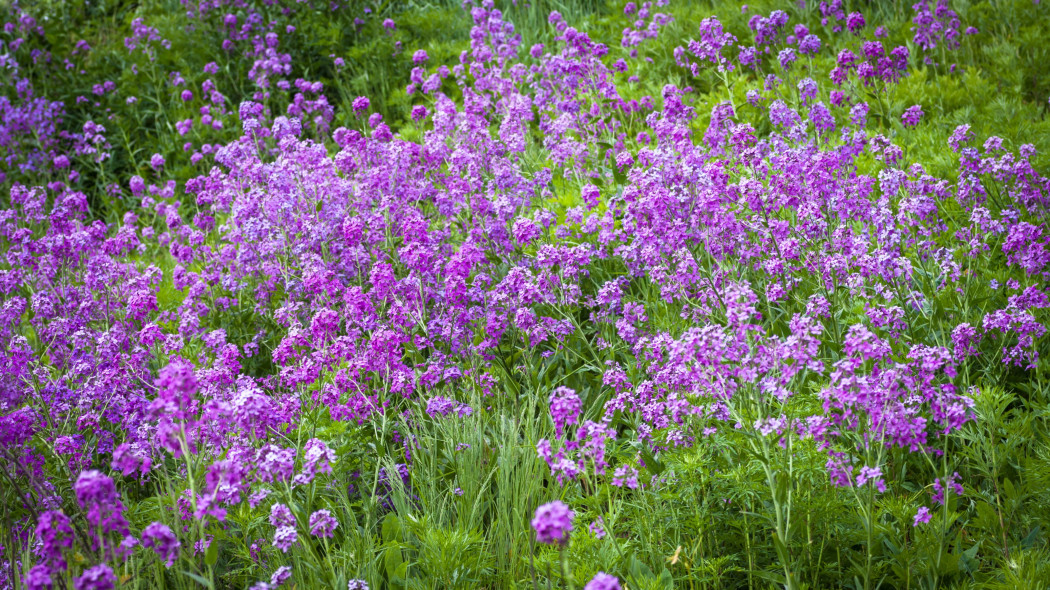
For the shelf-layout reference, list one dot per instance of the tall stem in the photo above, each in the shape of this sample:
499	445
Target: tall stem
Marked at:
565	573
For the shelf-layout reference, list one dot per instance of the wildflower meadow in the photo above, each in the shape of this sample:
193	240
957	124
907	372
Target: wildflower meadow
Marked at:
498	294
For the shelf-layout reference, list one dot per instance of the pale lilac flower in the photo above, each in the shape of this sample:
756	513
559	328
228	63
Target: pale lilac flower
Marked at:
603	581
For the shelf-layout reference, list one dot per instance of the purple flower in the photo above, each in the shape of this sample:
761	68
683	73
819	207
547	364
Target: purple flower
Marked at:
525	230
361	103
280	576
625	476
912	115
37	578
565	408
317	458
553	522
99	577
162	540
939	488
855	22
137	185
859	114
603	581
275	464
183	127
807	90
420	56
809	45
98	496
872	474
187	95
156	161
597	528
285	537
281	515
176	386
357	585
443	406
934	27
922	516
960	136
322	523
55	533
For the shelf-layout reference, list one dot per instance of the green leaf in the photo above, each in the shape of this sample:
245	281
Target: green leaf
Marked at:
212	555
666	580
391	528
200	580
653	465
394	561
639	570
775	577
968	562
1032	538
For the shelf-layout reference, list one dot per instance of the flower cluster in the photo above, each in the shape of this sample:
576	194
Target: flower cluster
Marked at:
553	523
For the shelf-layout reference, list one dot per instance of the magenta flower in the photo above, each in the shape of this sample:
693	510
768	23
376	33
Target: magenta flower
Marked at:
553	523
855	22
